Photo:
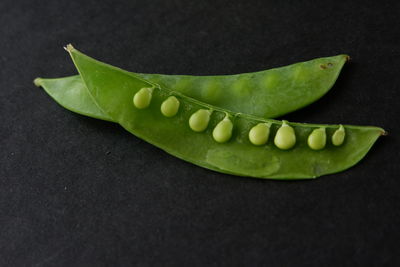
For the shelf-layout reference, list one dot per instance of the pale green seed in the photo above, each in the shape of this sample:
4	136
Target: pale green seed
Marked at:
199	120
223	131
317	139
142	98
170	106
285	137
338	136
259	134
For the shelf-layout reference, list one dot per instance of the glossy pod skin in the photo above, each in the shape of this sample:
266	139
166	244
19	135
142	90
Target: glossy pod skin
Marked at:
267	94
235	156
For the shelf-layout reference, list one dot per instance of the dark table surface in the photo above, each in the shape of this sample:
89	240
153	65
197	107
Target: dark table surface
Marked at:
75	191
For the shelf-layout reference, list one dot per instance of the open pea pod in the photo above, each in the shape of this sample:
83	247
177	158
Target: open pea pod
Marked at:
217	138
266	94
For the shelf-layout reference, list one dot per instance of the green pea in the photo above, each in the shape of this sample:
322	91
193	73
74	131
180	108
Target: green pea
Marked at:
223	131
300	73
142	98
170	106
199	120
241	86
271	80
285	137
317	139
210	91
338	136
259	134
182	84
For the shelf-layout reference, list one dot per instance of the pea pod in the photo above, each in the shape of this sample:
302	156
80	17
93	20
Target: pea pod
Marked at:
113	89
268	93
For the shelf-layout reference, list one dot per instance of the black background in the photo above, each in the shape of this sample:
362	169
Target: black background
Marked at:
75	191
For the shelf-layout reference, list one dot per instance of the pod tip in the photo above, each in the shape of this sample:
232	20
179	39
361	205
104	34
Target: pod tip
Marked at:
37	81
69	48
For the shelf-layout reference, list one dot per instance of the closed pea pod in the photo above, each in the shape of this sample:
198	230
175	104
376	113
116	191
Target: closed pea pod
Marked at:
285	137
259	134
199	120
266	94
223	131
338	136
170	106
317	139
142	98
